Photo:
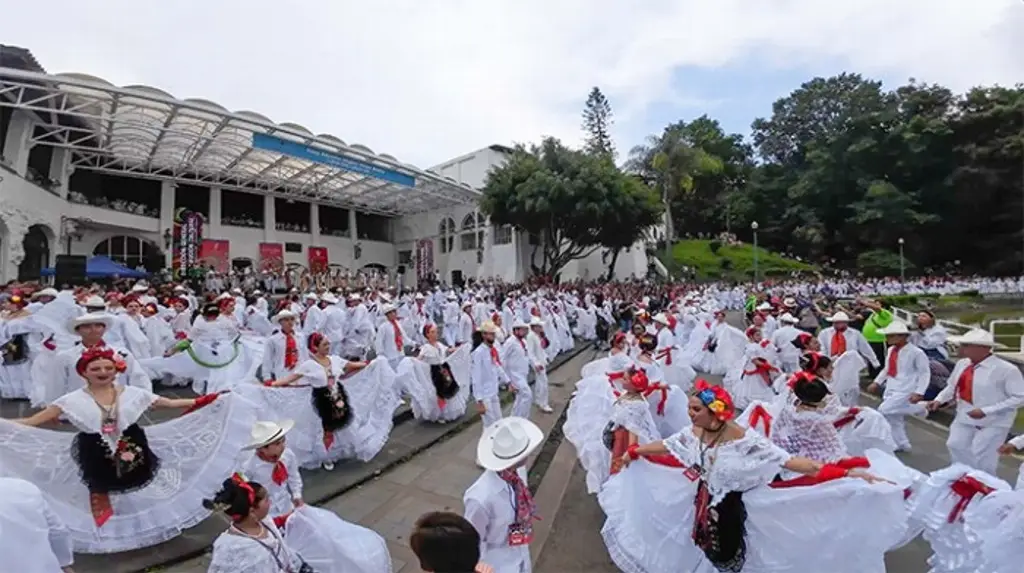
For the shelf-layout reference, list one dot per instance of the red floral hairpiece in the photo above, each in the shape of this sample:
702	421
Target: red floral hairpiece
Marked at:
638	380
93	354
314	341
716	399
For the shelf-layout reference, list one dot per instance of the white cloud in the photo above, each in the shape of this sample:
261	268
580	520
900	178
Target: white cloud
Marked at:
428	80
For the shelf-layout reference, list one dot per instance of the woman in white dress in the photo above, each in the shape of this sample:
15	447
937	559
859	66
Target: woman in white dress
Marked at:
32	538
17	329
252	544
703	504
119	486
215	356
437	379
343	409
326	542
752	379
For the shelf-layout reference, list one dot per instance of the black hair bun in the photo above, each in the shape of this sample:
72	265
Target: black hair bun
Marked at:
811	390
232	499
647	343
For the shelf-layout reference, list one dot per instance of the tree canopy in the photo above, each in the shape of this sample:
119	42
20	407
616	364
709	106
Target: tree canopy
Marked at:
571	202
844	168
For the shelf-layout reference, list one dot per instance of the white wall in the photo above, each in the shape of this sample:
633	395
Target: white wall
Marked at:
22	205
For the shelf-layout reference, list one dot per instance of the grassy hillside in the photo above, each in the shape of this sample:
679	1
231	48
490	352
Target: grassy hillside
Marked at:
729	262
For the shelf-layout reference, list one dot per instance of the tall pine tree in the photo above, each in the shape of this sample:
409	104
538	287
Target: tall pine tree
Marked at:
597	123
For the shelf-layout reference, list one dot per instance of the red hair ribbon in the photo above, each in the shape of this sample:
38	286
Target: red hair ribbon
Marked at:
248	489
802	376
313	341
93	354
618	339
751	330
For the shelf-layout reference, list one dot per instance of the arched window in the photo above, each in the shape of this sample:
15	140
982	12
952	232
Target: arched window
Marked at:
470	240
446	233
131	252
37	254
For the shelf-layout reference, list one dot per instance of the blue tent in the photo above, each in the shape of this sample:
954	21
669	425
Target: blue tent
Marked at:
104	267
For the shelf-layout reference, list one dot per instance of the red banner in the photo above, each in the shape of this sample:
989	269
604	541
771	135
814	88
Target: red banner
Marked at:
214	253
317	259
271	257
425	259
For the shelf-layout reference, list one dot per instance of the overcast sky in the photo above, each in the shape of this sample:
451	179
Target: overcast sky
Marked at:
428	80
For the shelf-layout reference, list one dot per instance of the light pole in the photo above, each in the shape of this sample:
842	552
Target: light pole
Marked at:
753	227
903	263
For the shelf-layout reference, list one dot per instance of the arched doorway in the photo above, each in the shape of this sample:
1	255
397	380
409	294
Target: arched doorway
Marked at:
37	254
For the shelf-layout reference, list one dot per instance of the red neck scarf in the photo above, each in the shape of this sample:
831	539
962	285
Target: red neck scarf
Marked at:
838	343
965	384
291	351
280	472
894	357
494	355
526	509
399	343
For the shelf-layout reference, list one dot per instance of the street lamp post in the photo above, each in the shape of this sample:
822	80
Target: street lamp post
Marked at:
903	263
753	227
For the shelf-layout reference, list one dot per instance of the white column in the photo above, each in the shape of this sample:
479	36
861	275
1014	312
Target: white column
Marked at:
314	225
352	225
167	191
214	230
16	147
60	170
269	219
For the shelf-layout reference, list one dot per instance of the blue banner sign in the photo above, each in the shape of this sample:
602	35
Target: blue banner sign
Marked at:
275	144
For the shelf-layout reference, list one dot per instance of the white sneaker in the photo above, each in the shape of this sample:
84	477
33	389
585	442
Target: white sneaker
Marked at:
329	466
545	409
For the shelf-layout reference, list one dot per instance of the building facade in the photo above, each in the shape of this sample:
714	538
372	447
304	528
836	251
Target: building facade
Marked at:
87	168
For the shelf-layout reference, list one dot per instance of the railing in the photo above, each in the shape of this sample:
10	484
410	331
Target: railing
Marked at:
1012	343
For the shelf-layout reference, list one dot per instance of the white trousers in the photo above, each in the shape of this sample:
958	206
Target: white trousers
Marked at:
493	411
524	397
898	424
540	388
976	446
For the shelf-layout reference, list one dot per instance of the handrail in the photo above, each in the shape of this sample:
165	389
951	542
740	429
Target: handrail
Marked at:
999	321
955	327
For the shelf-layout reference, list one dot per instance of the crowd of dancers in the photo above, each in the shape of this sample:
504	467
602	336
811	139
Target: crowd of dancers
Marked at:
740	476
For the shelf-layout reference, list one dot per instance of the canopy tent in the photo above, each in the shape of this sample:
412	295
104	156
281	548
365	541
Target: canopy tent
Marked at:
104	267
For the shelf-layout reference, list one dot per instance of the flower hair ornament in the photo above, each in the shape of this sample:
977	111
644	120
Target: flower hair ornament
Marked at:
97	353
638	380
716	399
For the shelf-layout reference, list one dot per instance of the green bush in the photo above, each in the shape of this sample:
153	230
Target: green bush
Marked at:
726	264
714	246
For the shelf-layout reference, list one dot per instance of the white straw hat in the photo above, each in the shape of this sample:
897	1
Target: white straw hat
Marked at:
507	442
266	433
975	337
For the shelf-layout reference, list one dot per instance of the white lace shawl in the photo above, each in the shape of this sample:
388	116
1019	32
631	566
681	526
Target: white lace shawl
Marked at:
740	465
634	415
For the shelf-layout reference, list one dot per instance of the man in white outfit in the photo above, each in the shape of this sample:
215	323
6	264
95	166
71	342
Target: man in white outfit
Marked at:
537	353
903	380
499	504
988	391
517	364
487	375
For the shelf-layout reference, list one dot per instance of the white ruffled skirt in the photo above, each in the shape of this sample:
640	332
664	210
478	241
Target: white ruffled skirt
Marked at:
373	398
330	544
843	526
414	378
197	453
212	367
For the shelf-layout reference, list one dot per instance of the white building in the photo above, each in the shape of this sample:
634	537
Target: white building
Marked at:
88	168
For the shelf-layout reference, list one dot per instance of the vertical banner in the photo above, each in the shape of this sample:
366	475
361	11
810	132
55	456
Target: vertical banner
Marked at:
425	259
271	257
188	233
215	254
317	259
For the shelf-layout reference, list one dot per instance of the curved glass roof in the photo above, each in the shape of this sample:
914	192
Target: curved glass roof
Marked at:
145	132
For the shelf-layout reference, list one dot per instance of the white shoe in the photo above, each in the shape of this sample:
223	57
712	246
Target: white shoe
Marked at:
545	409
329	466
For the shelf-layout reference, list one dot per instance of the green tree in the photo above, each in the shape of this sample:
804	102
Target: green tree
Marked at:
567	198
633	209
597	124
670	164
